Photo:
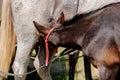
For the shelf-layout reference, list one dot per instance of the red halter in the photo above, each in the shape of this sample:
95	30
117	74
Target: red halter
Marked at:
46	45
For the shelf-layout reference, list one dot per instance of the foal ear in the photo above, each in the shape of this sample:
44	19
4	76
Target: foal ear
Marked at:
61	19
41	29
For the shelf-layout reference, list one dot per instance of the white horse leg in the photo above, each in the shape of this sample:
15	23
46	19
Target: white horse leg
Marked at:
44	72
22	58
25	32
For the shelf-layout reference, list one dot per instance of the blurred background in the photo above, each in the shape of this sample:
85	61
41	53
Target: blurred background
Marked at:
0	7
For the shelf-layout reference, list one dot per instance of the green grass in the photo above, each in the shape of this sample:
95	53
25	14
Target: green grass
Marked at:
58	70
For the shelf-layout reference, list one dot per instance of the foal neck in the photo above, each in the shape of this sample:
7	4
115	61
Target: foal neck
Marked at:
79	25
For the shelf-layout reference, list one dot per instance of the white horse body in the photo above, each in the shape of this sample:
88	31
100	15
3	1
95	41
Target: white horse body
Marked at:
24	12
86	6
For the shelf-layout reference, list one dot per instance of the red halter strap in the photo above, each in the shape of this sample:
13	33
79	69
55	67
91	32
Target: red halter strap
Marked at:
47	45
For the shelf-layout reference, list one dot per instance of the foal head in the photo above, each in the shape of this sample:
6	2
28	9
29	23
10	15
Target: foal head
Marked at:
58	36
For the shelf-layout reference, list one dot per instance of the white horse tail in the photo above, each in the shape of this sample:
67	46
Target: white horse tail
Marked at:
7	39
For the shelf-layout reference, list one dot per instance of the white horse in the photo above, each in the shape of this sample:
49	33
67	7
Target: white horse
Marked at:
21	14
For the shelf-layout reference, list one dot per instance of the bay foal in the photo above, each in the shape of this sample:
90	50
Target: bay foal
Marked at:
97	33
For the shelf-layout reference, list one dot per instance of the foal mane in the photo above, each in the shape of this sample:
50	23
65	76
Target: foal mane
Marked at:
82	16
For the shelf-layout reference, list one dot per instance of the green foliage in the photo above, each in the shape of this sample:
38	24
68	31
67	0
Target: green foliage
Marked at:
58	70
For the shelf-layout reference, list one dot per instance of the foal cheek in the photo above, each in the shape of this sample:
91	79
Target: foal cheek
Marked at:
54	39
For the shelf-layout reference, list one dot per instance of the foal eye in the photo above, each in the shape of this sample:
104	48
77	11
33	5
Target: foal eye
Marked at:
59	27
